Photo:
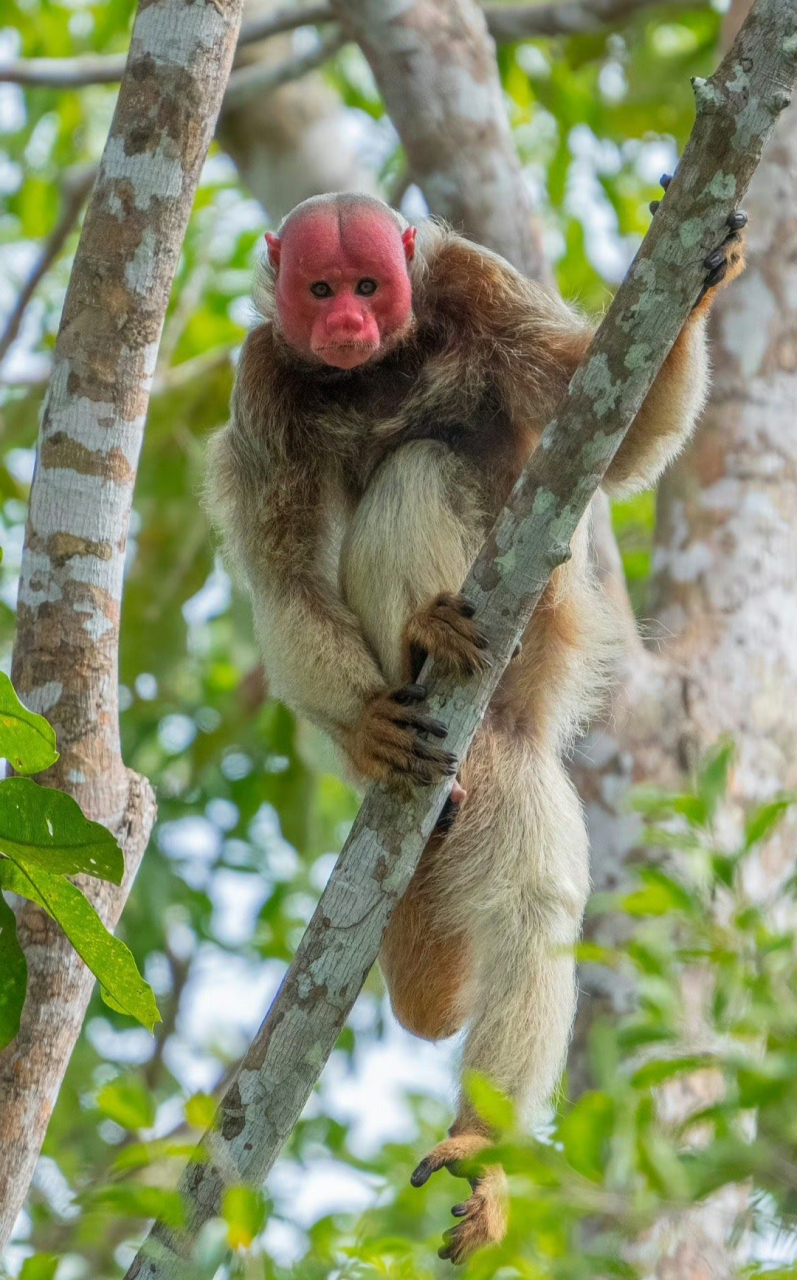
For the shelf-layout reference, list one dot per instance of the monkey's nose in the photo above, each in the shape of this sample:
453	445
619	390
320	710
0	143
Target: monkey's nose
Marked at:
345	322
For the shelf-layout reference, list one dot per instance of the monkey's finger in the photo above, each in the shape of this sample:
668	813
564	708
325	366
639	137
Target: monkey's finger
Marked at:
421	1175
423	724
653	206
410	693
715	259
460	1210
717	275
665	180
737	220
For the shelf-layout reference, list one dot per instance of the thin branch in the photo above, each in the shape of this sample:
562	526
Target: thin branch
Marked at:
736	112
506	23
75	191
275	24
261	77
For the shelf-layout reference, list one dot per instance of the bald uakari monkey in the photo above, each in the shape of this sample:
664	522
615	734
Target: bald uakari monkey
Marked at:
382	412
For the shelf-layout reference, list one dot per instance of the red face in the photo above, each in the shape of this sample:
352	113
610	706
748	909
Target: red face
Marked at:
342	283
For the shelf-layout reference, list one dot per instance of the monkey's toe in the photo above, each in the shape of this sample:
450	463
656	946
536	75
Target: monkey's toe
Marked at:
483	1217
446	630
725	262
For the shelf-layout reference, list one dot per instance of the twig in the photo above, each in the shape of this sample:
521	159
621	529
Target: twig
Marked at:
75	192
736	112
262	77
506	24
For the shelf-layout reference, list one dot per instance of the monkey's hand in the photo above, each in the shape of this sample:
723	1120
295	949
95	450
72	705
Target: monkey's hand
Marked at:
724	263
445	630
484	1214
390	741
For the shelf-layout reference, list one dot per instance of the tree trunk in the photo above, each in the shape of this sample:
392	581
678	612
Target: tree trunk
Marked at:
294	142
66	649
436	69
723	594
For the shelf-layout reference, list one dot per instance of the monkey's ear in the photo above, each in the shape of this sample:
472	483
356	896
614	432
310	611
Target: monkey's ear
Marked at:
274	248
408	240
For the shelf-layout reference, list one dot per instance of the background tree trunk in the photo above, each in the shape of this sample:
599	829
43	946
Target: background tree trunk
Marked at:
66	650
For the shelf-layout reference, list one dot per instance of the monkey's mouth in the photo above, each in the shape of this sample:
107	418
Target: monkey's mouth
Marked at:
346	355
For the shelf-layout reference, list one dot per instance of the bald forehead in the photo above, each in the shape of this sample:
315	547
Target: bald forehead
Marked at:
343	235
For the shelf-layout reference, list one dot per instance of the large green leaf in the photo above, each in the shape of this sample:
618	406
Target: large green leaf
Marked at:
44	828
108	958
27	741
13	975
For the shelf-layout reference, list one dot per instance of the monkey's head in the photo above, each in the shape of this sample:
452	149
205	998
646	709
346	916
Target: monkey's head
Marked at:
343	292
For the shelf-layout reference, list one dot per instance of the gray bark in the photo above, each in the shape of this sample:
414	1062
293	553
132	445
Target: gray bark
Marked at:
66	648
736	113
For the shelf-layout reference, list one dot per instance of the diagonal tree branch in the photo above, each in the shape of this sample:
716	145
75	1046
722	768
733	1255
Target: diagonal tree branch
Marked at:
736	112
506	24
66	650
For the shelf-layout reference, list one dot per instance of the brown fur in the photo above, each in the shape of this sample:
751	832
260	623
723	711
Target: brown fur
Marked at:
353	504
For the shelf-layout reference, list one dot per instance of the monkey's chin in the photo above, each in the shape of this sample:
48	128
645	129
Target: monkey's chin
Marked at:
347	355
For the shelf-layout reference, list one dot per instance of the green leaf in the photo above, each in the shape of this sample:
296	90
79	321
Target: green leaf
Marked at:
659	896
45	829
139	1155
128	1103
27	741
488	1102
42	1266
244	1210
134	1201
108	958
13	975
585	1132
763	819
200	1110
712	778
654	1073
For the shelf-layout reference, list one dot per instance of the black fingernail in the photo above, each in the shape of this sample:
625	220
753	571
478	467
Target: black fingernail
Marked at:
716	276
422	1174
653	206
482	642
714	259
467	608
665	180
445	1252
410	693
438	728
459	1210
737	220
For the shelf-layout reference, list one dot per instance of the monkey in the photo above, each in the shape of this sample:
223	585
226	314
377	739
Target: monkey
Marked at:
385	404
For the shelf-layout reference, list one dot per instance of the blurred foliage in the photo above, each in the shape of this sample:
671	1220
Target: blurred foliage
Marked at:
251	811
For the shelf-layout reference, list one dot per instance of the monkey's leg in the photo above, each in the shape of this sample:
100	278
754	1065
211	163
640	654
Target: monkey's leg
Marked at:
426	967
513	874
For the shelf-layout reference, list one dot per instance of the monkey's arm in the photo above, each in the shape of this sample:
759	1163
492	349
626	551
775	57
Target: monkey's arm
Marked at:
274	523
542	341
668	414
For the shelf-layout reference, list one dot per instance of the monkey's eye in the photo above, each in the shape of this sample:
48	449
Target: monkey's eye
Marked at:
366	287
321	289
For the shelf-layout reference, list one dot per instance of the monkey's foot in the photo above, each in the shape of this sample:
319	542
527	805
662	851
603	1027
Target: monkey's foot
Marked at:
726	262
390	740
483	1216
445	630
